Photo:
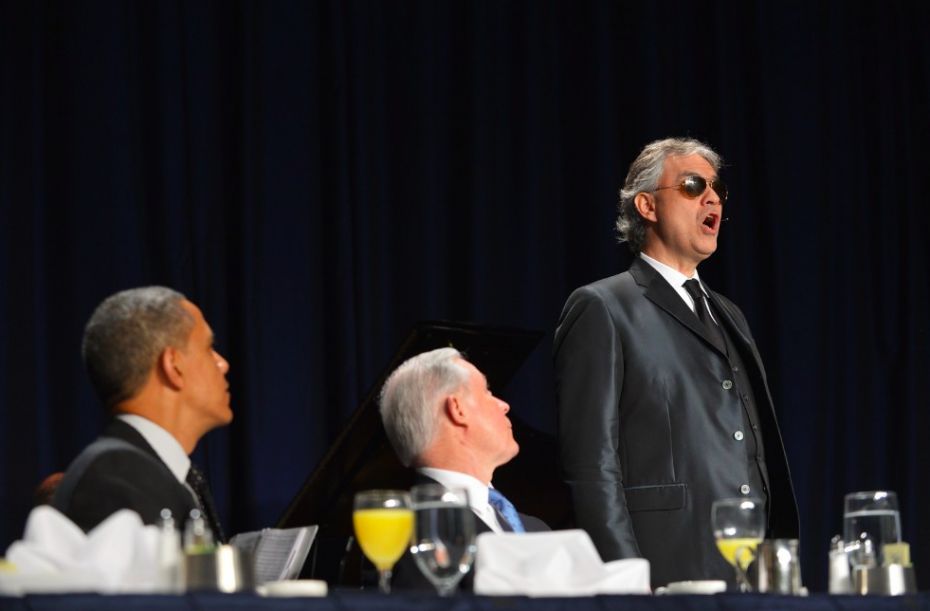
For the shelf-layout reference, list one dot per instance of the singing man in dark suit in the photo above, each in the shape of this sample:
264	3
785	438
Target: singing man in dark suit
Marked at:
150	356
442	419
663	401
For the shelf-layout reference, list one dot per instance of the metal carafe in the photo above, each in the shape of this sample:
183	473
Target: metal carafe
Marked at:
777	567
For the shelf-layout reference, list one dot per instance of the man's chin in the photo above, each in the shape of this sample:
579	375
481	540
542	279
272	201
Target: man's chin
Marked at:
709	247
224	417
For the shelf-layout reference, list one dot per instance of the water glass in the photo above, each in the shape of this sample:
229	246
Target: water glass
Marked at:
444	535
871	520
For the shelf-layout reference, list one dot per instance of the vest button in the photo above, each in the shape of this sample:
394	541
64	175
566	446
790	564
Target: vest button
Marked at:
738	435
744	489
727	384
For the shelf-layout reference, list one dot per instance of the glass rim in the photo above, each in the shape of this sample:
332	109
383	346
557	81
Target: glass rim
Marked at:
463	498
374	496
381	492
738	499
871	494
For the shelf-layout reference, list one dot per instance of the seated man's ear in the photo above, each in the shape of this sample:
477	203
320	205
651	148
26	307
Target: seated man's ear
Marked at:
170	367
456	411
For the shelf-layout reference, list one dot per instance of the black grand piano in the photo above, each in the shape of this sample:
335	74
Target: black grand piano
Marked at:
361	458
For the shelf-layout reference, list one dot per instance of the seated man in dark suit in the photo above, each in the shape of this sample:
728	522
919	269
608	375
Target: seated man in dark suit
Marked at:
442	419
149	354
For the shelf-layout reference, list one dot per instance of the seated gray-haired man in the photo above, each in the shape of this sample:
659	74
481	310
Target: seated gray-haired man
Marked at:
442	419
150	356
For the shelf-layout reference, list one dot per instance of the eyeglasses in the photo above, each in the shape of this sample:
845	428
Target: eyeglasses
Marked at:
694	186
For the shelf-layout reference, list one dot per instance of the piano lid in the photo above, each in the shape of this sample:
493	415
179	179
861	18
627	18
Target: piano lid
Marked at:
362	458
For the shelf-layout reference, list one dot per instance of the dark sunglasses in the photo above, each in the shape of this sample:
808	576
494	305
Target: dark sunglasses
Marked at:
694	186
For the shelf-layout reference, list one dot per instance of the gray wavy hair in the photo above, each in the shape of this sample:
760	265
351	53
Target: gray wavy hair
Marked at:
412	399
126	335
643	177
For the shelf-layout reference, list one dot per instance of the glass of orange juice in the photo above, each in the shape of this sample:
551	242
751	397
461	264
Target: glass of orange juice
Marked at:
739	527
383	521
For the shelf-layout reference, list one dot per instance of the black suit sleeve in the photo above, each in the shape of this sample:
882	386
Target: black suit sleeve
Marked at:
589	376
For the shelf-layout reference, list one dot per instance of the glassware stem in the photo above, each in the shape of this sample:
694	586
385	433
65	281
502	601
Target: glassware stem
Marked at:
384	580
744	585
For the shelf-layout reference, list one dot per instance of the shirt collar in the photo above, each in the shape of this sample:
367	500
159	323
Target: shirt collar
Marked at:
477	491
674	278
168	448
672	275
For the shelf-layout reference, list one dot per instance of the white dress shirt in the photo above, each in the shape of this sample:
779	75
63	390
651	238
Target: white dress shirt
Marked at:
677	280
477	493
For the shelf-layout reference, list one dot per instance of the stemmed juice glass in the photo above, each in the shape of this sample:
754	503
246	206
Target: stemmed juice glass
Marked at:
383	521
739	527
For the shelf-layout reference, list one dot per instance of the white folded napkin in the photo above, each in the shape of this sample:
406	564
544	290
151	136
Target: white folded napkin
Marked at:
55	555
558	563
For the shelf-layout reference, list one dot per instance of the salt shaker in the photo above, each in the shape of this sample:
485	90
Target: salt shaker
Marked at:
198	538
169	555
839	567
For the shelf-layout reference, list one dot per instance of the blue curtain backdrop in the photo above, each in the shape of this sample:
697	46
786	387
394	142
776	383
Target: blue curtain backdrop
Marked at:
317	176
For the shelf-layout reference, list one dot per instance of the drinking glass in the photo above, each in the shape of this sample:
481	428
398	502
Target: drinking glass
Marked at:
383	521
739	527
444	536
871	520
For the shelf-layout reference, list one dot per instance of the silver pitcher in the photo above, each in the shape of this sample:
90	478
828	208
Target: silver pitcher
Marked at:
777	567
225	569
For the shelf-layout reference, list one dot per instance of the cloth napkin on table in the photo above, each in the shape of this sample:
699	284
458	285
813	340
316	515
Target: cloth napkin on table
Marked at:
55	555
558	563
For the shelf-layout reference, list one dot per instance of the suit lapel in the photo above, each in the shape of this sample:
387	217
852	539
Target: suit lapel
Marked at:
421	480
726	318
661	293
738	331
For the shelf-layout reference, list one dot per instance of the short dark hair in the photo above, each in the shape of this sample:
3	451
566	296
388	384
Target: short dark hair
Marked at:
126	335
643	177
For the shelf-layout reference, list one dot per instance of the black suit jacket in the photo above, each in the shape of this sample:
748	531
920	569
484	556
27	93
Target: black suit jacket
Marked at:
407	575
647	415
120	470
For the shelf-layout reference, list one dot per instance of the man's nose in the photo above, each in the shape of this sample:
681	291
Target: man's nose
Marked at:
222	363
711	197
505	407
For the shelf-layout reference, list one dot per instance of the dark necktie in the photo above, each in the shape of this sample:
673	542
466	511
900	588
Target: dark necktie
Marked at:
700	308
506	508
198	483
